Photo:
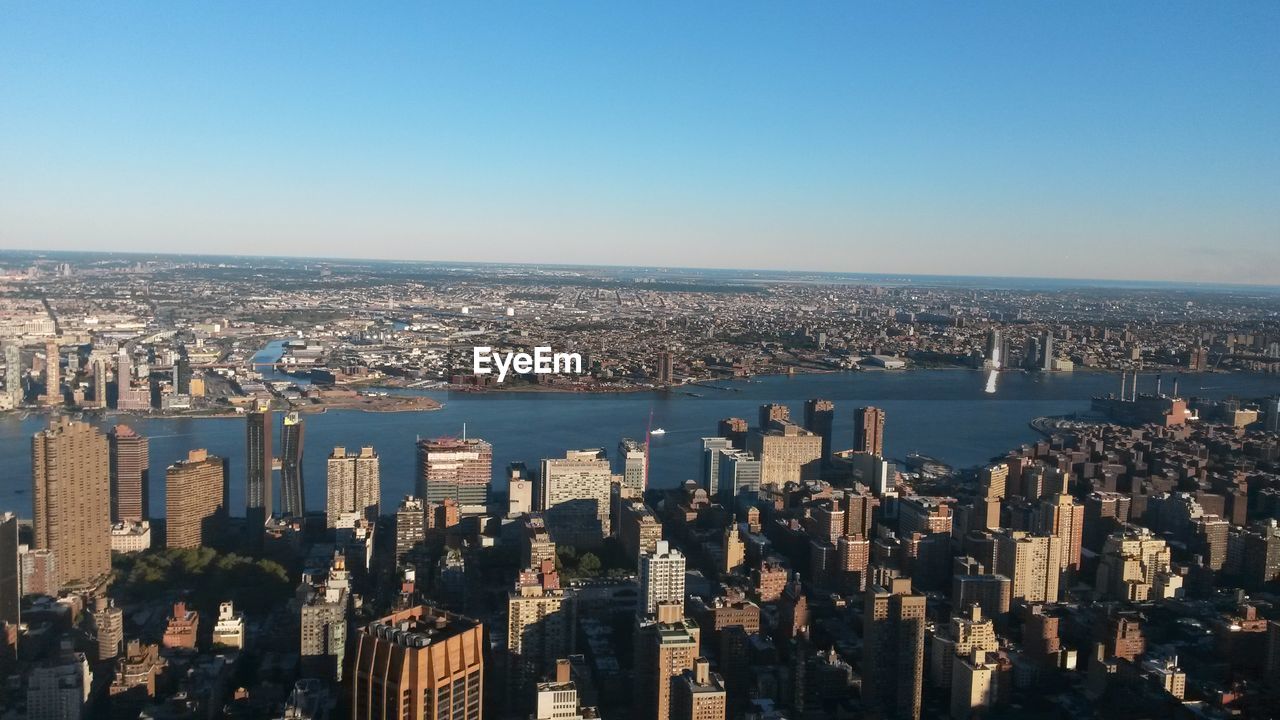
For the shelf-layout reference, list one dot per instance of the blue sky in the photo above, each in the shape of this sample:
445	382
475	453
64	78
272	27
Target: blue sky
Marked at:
1071	139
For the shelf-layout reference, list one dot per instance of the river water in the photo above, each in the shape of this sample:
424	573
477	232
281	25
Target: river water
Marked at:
948	414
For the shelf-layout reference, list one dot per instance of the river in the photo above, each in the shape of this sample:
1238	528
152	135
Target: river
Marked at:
948	414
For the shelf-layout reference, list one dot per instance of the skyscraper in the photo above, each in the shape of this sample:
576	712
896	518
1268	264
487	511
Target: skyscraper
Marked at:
130	475
739	473
13	373
735	430
541	624
354	484
52	378
664	648
1047	353
196	500
868	430
419	664
1033	564
323	622
661	579
100	383
71	499
787	453
108	620
819	414
576	497
893	649
666	367
699	694
453	469
711	447
1062	517
773	412
10	573
292	498
634	466
411	527
258	473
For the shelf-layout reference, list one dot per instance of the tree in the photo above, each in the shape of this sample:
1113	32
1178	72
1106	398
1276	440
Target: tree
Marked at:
589	565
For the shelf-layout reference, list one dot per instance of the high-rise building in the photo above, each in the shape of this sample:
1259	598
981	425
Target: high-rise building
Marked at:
323	622
292	493
10	571
665	367
258	471
454	469
228	631
633	465
519	490
661	579
993	481
974	686
969	630
1132	560
411	527
868	430
13	374
541	624
711	447
1047	353
1062	517
58	688
135	676
108	621
1033	564
130	475
893	649
557	699
354	486
418	664
100	383
819	415
773	412
734	430
182	629
787	453
71	499
699	694
641	530
739	472
576	497
52	379
664	648
1104	513
196	498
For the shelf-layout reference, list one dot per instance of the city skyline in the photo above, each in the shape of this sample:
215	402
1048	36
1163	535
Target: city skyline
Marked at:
1009	140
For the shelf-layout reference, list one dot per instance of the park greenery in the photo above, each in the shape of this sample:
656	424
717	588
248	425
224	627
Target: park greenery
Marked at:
204	576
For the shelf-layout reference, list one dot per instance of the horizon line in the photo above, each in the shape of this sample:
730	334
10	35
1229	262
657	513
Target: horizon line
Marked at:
905	276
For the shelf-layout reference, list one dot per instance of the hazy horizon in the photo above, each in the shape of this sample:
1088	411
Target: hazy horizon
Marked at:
1018	140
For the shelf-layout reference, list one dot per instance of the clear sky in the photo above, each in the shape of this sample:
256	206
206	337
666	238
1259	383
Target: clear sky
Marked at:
1129	140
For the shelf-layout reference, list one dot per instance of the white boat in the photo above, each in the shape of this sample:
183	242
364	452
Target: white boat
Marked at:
657	431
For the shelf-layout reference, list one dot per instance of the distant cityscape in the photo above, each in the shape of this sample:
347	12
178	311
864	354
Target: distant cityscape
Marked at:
1125	565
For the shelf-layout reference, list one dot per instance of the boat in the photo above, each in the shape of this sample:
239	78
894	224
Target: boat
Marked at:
657	431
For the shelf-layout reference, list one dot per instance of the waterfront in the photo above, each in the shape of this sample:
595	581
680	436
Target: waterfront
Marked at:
946	414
